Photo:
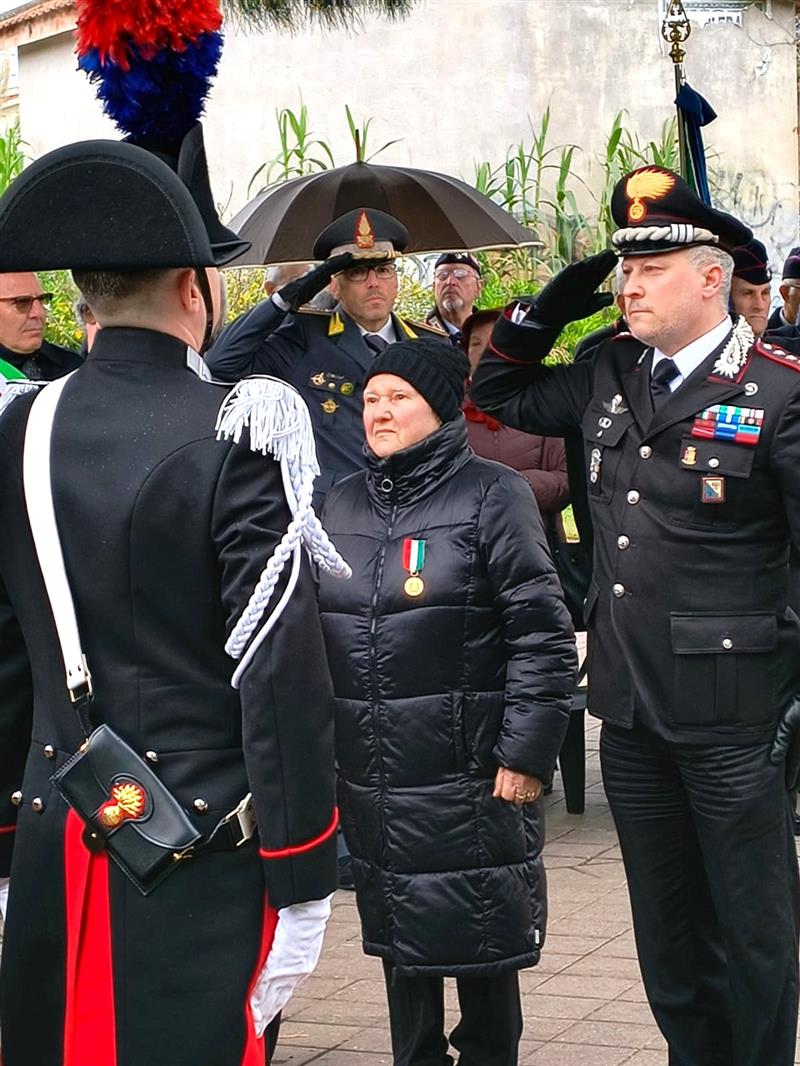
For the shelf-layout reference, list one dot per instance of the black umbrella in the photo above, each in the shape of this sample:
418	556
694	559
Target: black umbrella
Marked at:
440	212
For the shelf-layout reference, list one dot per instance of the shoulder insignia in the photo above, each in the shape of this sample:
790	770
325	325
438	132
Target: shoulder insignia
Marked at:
12	390
776	354
423	327
335	326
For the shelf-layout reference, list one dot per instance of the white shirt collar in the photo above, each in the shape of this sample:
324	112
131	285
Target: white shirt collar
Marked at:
690	357
387	331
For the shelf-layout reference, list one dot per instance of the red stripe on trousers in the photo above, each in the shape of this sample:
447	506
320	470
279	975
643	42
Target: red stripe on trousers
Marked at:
89	1029
254	1051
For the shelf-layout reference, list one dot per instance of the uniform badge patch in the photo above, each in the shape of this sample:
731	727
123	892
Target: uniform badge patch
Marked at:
329	406
712	490
615	406
365	235
689	456
126	803
742	425
413	562
595	458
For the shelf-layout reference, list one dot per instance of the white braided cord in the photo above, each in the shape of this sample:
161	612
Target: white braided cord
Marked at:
279	424
675	233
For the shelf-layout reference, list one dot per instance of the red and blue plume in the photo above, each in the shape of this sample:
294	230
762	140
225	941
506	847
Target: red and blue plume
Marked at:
152	62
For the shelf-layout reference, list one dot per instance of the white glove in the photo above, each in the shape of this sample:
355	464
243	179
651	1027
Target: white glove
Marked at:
4	883
294	954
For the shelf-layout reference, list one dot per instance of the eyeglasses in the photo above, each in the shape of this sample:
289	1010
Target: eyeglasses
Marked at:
457	272
383	271
23	304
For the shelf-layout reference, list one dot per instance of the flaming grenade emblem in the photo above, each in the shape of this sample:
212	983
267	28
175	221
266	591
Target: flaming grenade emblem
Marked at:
127	802
365	235
650	184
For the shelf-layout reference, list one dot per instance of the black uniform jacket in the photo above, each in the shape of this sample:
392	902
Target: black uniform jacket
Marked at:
51	360
690	628
165	531
324	355
434	692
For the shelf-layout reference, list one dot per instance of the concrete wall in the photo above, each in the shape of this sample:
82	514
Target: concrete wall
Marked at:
459	80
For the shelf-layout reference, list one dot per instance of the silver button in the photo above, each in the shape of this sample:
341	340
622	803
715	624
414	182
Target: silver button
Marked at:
151	756
713	462
618	590
633	496
645	451
599	433
16	798
727	643
37	804
623	542
200	806
49	751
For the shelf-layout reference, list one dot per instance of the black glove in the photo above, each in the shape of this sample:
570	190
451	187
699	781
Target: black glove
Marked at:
302	289
786	744
571	294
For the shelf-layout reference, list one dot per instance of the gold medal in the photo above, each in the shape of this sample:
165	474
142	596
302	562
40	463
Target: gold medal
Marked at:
414	585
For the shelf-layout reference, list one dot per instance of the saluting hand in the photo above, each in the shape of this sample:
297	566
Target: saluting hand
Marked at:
515	787
571	295
300	290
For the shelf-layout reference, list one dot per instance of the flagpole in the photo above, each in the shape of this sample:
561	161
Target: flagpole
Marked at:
676	29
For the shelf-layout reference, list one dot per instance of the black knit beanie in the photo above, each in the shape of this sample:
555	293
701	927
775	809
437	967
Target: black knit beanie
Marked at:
437	370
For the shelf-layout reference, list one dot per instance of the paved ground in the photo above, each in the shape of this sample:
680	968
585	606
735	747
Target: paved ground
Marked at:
583	1004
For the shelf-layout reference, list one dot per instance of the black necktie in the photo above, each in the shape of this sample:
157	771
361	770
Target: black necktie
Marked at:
663	373
376	342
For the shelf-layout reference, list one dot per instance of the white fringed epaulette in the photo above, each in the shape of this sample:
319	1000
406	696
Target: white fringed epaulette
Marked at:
12	390
279	424
277	417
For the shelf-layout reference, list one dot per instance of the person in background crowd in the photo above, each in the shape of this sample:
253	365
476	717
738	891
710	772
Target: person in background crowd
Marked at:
540	460
453	661
23	317
457	284
325	356
786	314
751	292
692	434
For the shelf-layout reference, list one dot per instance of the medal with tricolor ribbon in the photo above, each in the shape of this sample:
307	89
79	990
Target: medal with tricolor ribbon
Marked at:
413	562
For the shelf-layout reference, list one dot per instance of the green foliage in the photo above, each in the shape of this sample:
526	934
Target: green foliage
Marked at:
12	156
300	151
245	287
62	325
294	14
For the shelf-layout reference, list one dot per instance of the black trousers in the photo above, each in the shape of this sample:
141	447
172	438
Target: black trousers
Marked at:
708	846
487	1035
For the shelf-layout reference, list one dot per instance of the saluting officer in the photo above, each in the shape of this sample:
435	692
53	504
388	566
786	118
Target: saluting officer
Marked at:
692	438
326	355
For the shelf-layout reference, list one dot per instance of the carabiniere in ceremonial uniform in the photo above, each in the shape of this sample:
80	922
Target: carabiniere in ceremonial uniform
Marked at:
694	649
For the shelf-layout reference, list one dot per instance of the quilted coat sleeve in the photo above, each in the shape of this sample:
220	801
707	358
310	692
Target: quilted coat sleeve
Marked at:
286	692
539	639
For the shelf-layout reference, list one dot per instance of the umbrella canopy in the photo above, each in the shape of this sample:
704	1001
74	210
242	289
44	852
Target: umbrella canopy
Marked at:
440	212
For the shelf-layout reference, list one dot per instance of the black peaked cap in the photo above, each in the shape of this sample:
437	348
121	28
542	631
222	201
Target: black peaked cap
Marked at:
653	199
750	263
366	232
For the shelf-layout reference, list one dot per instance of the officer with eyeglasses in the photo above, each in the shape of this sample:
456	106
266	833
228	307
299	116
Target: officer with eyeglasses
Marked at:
23	316
457	284
326	355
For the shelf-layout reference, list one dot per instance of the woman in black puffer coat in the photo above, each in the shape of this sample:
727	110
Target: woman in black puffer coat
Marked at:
453	662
